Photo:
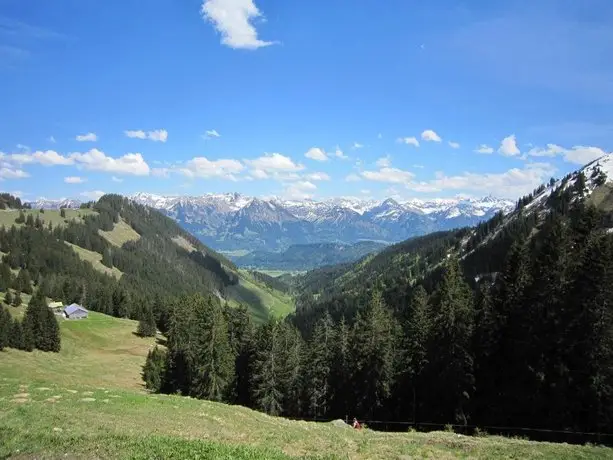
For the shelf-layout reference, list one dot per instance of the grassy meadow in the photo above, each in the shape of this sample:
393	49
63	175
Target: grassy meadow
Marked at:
7	217
88	402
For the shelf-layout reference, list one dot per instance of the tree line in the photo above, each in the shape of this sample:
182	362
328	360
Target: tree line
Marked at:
38	329
530	345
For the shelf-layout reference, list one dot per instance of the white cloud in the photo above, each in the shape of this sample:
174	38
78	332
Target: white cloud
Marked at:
508	146
357	145
204	168
418	166
274	162
509	184
454	145
389	175
45	158
317	154
210	134
300	190
550	151
580	154
96	160
12	173
318	176
353	178
259	174
158	135
51	139
23	147
384	162
484	148
89	137
430	136
379	136
92	195
339	154
161	172
116	179
74	180
233	20
409	141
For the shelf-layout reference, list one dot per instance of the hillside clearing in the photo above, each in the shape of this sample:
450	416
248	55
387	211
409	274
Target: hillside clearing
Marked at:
182	242
261	300
88	402
121	233
7	217
96	260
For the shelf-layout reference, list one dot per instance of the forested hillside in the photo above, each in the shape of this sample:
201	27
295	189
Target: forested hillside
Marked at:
300	257
505	325
115	257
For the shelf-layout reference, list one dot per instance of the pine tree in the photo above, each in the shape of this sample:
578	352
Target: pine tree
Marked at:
373	351
146	325
154	369
107	258
241	337
214	361
23	282
21	218
341	372
30	220
17	299
6	277
43	324
28	335
450	367
8	298
267	380
63	213
292	351
16	339
5	328
319	368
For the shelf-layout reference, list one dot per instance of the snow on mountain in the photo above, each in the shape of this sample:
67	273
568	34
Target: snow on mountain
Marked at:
44	203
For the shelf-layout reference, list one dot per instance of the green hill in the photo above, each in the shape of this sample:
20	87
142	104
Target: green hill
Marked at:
88	402
121	258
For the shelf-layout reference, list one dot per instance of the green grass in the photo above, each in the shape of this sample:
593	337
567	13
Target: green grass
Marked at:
236	252
88	402
95	259
121	233
275	273
182	242
261	300
7	218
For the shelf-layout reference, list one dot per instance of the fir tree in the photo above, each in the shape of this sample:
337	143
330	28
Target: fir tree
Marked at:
23	282
146	325
318	368
6	277
5	328
16	338
267	380
17	299
8	298
341	371
154	369
30	220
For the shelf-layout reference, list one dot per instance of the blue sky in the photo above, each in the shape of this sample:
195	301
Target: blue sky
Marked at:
301	99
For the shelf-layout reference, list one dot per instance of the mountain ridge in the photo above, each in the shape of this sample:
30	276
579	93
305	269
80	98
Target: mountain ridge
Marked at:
233	221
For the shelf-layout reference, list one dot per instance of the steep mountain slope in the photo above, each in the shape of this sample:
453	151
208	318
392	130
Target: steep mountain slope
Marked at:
482	249
230	222
117	257
300	257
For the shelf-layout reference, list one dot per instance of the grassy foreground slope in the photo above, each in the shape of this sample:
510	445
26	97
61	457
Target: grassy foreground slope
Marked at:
87	402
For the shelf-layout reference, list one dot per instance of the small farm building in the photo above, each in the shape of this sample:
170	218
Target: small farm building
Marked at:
75	311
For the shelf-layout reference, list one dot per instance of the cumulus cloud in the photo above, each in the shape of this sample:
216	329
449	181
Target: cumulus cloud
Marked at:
12	173
384	162
300	190
74	180
272	162
357	145
96	160
92	195
51	139
430	136
508	146
89	137
551	150
579	154
233	19
317	176
338	153
454	145
116	179
158	135
45	158
211	134
352	178
484	148
202	167
389	175
409	141
317	154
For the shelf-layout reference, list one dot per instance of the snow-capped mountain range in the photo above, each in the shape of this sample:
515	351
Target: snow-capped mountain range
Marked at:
234	221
